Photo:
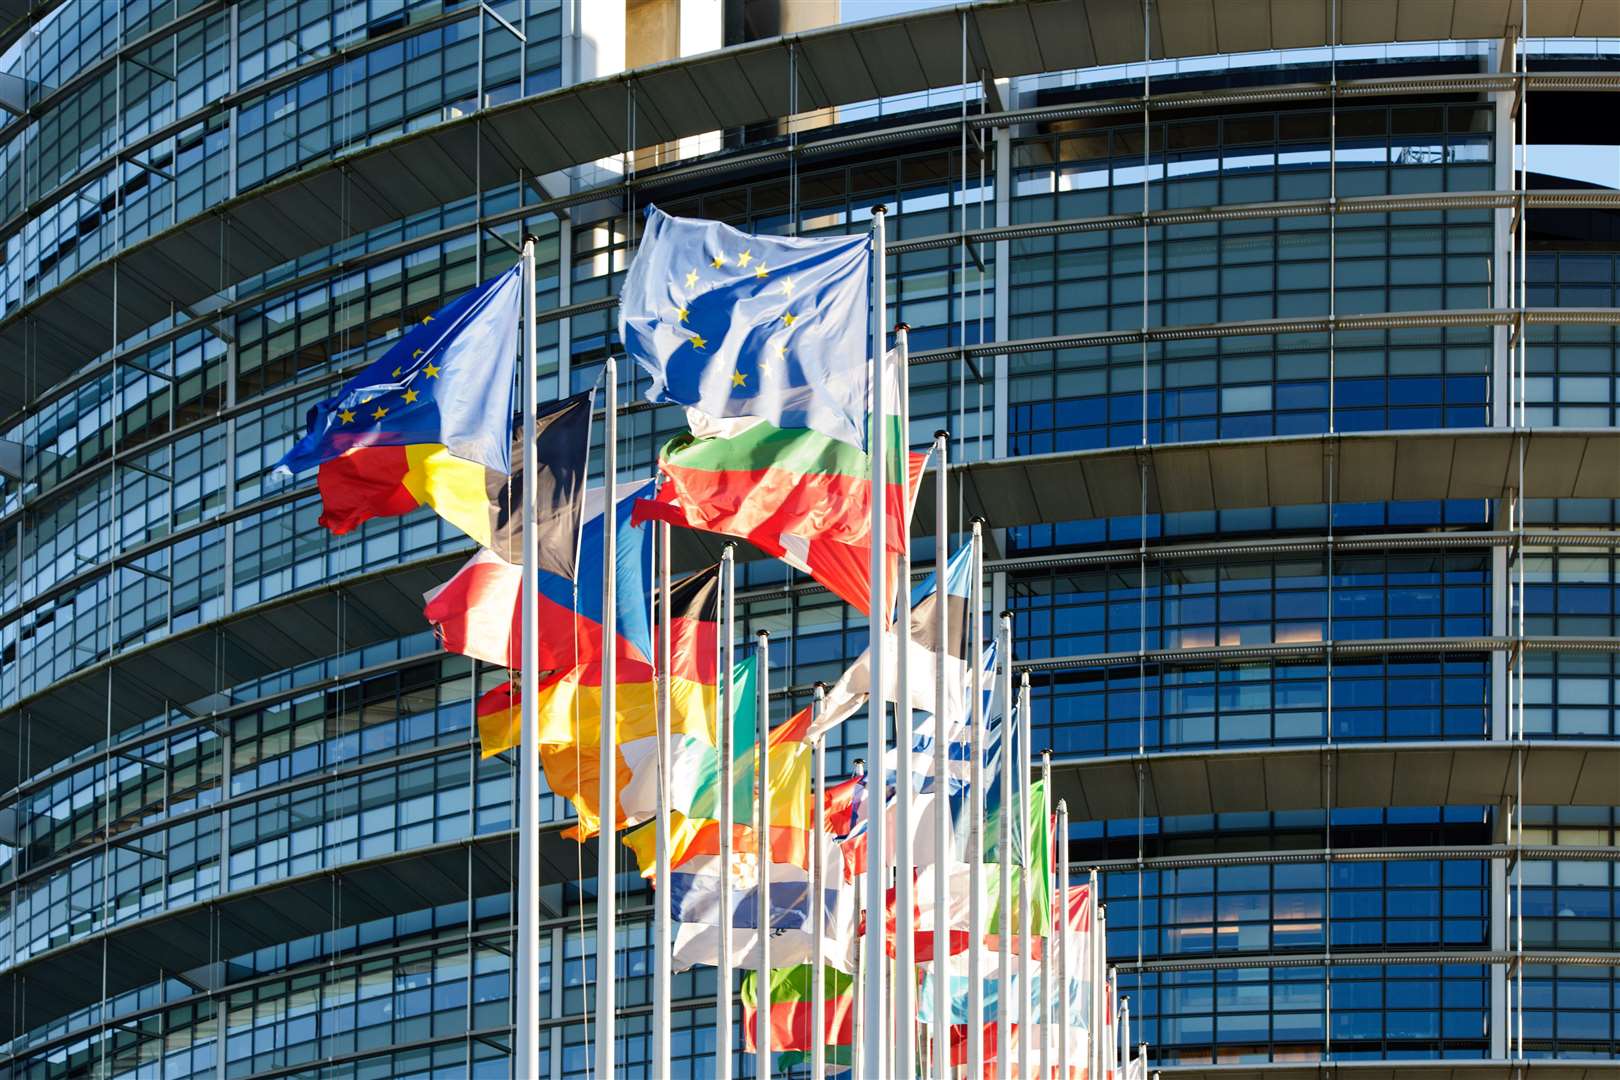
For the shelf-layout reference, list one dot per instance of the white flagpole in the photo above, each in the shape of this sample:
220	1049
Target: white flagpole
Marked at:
876	1057
1046	953
1125	1033
762	842
818	914
662	939
1027	830
1099	980
527	1059
858	986
607	840
723	730
975	852
1006	818
944	849
1061	908
905	925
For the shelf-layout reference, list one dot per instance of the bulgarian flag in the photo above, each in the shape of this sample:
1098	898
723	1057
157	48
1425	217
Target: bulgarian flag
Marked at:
794	493
791	1013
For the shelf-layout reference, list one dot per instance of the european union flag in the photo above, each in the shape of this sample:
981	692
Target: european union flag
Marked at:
447	381
737	325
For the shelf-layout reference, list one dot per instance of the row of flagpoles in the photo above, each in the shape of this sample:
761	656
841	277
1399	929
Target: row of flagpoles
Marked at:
910	955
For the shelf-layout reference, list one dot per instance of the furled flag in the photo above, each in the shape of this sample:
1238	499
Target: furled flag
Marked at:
479	613
848	696
792	1019
733	324
387	481
795	494
445	385
1075	1000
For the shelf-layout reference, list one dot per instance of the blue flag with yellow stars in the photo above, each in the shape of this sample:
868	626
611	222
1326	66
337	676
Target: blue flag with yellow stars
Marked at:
446	382
732	324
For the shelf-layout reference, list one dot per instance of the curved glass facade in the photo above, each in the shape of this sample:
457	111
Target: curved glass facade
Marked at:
246	829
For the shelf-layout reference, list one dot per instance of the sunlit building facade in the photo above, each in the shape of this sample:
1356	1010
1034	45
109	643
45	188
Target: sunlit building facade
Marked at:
1277	347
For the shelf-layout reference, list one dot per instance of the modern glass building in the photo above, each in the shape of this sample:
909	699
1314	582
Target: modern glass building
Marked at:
1277	345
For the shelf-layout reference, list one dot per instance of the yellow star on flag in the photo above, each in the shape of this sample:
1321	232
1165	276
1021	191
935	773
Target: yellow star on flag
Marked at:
761	272
745	258
718	261
697	341
415	354
691	278
431	371
681	312
787	286
346	416
411	396
426	319
379	413
789	318
396	373
738	379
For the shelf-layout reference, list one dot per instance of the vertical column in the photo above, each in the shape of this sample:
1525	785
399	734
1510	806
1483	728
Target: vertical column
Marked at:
1504	295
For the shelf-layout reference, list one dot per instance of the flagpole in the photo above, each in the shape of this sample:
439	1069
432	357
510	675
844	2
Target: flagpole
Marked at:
975	852
762	842
1099	984
1004	832
1026	829
1062	906
857	1049
905	924
526	1061
1046	952
661	901
876	1059
818	914
607	841
1125	1032
723	730
945	848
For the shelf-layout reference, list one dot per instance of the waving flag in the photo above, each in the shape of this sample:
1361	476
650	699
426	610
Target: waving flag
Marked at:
794	494
695	792
848	696
445	385
733	324
792	1018
478	611
388	481
794	913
